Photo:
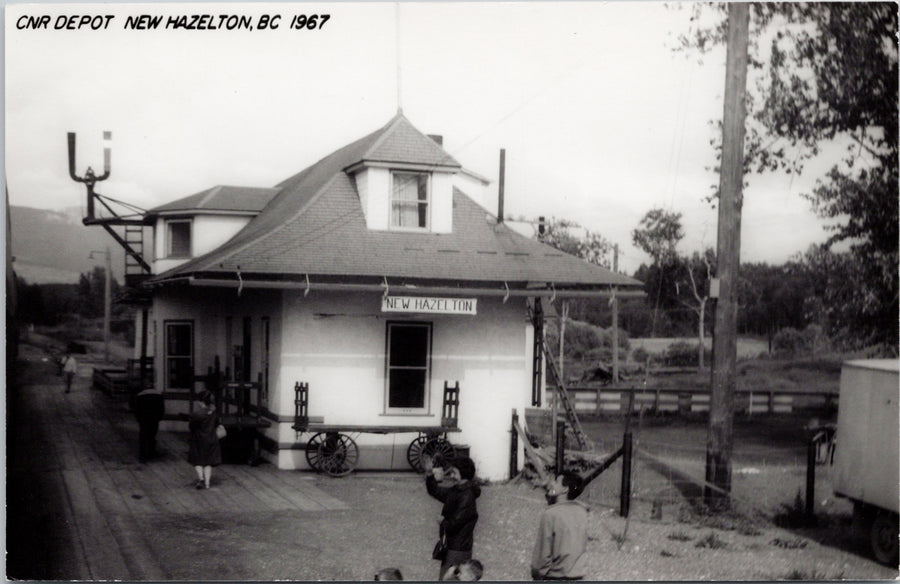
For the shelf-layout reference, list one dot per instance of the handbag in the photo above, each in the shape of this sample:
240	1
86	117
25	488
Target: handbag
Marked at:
440	548
221	432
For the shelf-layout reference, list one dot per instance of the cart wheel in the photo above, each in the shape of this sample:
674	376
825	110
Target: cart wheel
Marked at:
338	454
440	450
313	458
414	453
884	539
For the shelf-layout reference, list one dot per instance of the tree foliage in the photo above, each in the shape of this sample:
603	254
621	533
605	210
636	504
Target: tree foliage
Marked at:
658	233
590	246
828	73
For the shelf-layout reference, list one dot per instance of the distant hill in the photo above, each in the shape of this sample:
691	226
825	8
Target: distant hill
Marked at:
52	246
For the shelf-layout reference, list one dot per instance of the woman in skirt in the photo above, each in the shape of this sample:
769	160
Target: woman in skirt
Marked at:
204	452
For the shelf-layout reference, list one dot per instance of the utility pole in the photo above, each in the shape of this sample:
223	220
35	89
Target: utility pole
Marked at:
720	437
107	302
554	410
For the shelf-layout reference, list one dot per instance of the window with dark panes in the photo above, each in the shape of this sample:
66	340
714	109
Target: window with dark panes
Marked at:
409	200
179	354
408	366
179	239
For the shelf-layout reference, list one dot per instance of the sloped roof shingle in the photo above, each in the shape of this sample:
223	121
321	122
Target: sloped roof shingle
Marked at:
220	198
315	226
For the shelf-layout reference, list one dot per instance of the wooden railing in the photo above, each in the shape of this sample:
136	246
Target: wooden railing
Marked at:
606	399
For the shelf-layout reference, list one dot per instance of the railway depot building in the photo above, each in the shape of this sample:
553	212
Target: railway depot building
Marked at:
369	305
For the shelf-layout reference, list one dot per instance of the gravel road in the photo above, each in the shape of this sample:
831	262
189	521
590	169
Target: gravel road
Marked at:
392	522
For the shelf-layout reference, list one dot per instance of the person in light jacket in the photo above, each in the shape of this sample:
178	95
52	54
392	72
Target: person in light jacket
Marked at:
70	368
559	552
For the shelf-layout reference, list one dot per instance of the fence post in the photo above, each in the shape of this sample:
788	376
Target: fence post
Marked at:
514	446
625	495
560	446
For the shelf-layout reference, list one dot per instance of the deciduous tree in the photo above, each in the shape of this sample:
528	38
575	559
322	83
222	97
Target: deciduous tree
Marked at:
827	73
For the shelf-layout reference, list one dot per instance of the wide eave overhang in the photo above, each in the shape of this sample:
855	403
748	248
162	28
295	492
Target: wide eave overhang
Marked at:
394	285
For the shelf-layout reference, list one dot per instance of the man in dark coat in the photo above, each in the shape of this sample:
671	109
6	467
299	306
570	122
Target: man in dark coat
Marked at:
149	409
459	513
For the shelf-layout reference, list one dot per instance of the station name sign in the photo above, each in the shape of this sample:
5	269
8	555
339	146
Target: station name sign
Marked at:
428	304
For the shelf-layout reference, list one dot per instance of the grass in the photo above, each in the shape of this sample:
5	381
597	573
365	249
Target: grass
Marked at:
712	541
679	536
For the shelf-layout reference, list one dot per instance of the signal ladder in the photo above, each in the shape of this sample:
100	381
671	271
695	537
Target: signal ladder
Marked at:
562	393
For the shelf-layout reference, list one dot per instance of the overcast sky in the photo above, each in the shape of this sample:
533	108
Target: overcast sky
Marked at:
600	119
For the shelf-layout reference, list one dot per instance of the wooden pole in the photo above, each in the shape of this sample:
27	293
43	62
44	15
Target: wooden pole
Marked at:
107	306
514	446
810	477
563	315
625	493
560	447
501	187
615	319
142	376
720	437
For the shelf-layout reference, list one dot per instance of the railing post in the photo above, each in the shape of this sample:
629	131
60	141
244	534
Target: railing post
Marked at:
514	446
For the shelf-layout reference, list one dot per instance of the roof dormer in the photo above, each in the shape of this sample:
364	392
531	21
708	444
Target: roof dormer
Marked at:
406	198
405	181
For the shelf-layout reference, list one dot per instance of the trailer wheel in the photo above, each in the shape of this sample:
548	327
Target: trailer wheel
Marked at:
884	539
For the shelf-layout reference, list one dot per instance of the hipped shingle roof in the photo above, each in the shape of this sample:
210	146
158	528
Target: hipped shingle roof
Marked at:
315	227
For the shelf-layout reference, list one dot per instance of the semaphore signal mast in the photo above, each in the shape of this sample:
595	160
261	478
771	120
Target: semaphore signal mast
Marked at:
136	268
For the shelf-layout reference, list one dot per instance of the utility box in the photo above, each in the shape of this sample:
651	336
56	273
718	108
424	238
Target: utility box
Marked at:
867	449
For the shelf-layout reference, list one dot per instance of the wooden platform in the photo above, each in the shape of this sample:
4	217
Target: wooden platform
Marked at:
315	428
77	494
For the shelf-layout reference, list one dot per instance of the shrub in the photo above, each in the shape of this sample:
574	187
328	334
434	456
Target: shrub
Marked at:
788	341
640	355
684	354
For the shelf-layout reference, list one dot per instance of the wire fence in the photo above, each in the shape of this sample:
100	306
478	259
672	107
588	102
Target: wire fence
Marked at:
769	464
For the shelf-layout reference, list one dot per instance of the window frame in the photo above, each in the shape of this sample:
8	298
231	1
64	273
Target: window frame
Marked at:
190	252
425	409
169	358
393	201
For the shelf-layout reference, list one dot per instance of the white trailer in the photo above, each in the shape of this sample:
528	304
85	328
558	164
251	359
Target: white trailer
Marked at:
865	468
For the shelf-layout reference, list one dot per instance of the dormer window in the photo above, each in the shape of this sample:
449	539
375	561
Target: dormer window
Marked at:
409	200
178	238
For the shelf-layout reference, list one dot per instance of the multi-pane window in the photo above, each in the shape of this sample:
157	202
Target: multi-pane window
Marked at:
179	354
409	200
408	366
178	239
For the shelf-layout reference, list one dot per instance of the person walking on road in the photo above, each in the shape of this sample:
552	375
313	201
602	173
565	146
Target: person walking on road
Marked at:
460	513
204	451
559	552
70	368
